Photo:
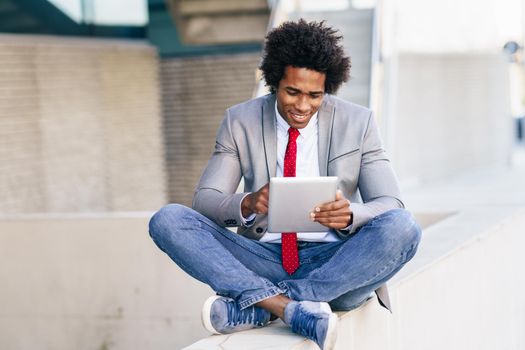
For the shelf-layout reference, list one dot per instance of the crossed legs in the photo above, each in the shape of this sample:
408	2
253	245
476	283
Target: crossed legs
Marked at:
249	272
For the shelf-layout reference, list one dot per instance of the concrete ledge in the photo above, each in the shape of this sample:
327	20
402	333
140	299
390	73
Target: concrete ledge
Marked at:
461	291
93	281
87	281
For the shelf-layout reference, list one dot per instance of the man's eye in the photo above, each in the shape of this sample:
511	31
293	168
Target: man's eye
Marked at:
292	93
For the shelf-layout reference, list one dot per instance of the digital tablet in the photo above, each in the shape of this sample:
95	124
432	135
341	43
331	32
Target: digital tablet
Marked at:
292	199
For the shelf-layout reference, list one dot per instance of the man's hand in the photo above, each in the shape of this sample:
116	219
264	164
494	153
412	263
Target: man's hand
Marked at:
256	202
336	214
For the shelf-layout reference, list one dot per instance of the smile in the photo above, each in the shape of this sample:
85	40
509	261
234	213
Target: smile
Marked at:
299	117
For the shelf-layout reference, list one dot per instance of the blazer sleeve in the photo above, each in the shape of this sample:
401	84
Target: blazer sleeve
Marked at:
377	182
215	195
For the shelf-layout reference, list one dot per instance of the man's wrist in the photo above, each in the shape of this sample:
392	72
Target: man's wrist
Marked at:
249	219
351	214
245	207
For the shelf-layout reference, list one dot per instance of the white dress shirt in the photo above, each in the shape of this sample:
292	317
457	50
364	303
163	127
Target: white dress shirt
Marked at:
307	165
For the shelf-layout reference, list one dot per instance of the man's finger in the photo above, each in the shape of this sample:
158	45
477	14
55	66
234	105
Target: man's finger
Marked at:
262	201
336	207
339	224
261	208
341	219
331	206
262	211
332	213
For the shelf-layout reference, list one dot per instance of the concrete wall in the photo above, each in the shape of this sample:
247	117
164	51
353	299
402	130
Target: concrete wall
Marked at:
92	282
446	114
79	125
196	93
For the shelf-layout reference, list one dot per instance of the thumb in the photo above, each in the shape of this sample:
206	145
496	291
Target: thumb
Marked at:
338	195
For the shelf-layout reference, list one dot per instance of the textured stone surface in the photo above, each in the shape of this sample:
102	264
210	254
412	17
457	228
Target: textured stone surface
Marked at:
196	93
80	126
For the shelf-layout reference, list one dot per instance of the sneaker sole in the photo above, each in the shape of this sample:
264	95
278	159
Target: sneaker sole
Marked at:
331	332
205	314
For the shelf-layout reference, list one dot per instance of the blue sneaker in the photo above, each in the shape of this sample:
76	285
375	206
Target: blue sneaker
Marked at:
221	315
314	320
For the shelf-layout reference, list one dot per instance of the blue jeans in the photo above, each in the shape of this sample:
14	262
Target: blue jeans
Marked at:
343	273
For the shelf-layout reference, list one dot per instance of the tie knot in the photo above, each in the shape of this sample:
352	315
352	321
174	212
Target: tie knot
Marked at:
293	134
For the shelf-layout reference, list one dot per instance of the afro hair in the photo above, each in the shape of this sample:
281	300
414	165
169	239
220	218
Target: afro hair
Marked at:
311	45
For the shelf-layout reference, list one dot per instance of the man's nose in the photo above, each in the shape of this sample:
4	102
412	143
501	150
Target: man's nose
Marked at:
302	104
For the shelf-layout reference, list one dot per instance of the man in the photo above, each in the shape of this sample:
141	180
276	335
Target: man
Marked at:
299	129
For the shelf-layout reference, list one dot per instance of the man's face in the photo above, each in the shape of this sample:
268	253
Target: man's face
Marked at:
299	95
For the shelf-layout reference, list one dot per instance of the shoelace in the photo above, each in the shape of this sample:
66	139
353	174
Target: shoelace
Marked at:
306	325
237	316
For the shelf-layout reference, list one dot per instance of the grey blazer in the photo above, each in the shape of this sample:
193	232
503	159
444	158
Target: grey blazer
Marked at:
246	146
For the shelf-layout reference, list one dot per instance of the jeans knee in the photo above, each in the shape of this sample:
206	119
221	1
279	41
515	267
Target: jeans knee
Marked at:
167	217
350	301
398	231
406	230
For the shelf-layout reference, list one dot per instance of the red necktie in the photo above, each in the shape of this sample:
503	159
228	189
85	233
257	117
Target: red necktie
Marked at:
289	253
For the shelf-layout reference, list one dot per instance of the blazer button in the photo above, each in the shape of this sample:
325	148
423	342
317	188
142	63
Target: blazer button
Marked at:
259	230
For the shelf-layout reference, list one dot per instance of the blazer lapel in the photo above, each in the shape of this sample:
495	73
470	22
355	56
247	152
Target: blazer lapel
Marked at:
270	135
325	121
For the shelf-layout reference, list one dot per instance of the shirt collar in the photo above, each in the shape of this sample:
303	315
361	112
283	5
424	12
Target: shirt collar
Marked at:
305	132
